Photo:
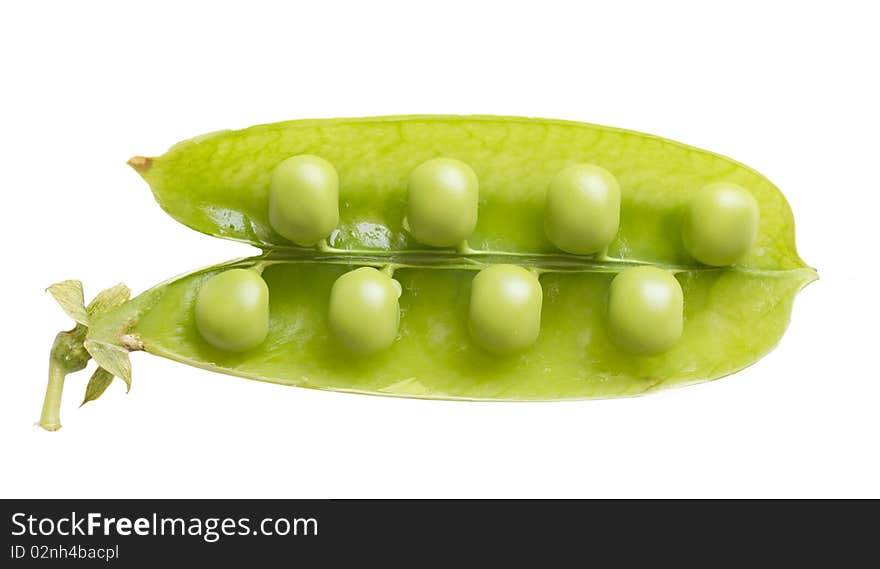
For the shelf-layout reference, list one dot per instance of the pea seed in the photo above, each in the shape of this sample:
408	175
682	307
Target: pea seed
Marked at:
720	224
232	310
442	202
645	310
582	210
505	309
304	199
364	311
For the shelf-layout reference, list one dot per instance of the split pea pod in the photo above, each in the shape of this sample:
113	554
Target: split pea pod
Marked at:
484	258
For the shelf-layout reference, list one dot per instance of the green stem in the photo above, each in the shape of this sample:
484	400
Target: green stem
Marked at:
50	419
260	267
67	356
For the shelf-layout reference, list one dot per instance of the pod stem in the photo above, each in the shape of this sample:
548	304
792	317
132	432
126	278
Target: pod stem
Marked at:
67	356
389	269
464	249
50	418
260	267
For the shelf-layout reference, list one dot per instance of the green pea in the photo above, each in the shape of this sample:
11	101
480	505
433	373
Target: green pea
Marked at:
505	309
304	199
364	310
645	310
441	208
232	310
582	210
720	224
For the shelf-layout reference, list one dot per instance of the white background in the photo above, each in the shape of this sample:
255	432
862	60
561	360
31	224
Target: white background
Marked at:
788	88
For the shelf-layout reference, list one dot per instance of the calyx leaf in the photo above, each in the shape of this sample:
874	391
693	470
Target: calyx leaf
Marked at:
69	294
72	350
98	383
107	300
112	358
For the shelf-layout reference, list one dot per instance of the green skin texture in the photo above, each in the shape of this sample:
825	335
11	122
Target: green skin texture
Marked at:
219	184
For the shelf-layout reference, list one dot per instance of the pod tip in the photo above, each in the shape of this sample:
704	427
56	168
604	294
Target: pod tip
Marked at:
140	163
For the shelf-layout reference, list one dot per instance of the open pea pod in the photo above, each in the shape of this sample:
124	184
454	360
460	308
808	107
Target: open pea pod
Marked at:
731	318
476	258
219	183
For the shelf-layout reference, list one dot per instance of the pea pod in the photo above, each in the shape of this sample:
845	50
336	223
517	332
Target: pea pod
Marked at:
517	259
219	183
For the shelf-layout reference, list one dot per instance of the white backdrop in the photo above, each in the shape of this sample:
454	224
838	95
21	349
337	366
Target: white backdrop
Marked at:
788	88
